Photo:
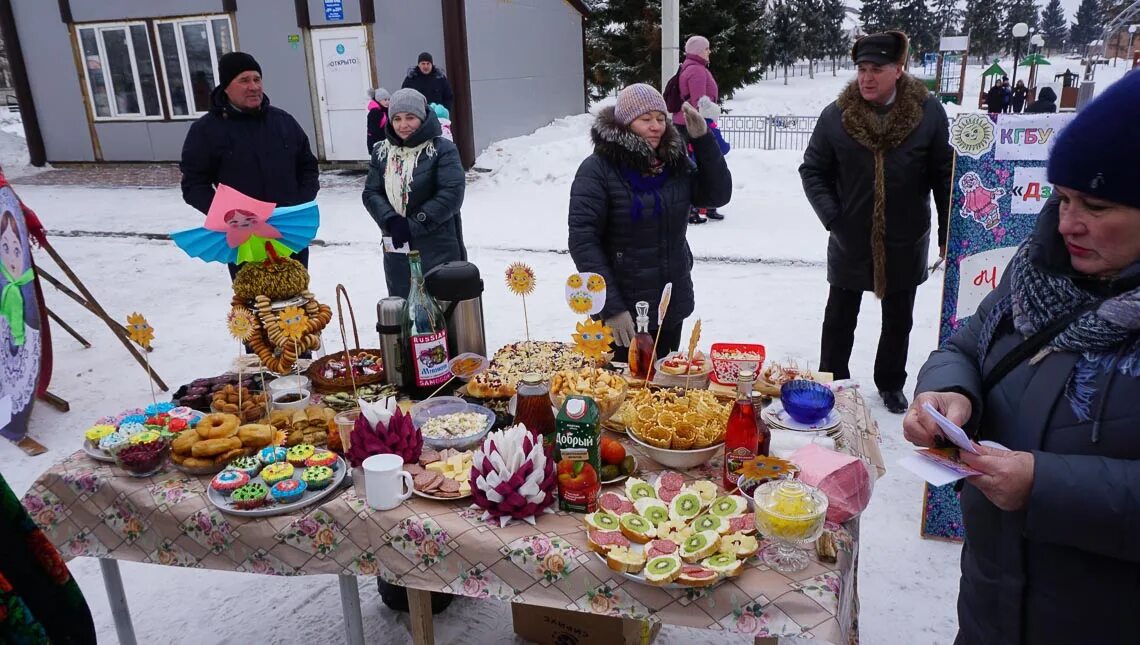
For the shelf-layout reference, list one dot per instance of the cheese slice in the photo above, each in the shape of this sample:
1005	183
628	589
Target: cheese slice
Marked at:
437	466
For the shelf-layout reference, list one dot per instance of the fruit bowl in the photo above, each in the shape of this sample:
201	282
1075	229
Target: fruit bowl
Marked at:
679	459
807	401
728	361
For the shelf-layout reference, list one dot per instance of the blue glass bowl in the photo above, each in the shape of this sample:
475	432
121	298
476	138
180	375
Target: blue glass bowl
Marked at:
807	401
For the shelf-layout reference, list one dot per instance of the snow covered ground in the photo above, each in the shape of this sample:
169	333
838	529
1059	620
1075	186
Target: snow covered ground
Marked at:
772	291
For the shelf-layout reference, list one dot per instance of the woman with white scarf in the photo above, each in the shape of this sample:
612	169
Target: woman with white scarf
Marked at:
414	190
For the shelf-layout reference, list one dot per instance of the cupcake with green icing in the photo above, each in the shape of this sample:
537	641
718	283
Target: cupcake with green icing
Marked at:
250	496
299	453
317	477
247	465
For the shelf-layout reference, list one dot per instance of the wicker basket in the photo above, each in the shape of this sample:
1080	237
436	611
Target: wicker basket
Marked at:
350	382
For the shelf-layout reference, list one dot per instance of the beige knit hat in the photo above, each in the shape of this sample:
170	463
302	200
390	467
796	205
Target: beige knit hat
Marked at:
638	99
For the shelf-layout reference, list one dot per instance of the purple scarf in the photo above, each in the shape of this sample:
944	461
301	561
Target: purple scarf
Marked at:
644	186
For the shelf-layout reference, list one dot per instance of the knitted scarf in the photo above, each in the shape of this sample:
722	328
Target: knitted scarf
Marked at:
399	169
12	302
641	186
1106	337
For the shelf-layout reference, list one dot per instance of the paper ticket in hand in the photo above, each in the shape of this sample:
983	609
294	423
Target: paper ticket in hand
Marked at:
956	435
392	248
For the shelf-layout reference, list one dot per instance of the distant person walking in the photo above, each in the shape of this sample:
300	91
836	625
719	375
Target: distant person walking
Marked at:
695	81
1019	95
429	80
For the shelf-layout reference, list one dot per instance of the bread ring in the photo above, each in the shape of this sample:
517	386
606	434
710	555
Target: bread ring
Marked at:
185	440
217	426
214	447
225	457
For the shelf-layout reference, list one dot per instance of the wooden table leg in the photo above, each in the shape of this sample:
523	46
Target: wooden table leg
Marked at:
350	606
419	610
117	598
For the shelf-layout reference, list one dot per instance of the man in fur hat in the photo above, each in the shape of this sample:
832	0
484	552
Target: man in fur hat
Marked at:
875	157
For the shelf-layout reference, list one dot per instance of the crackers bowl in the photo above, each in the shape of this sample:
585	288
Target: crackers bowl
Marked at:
562	385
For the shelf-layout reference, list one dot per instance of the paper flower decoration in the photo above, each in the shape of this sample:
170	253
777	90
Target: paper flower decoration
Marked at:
593	338
581	302
520	279
663	306
140	330
294	323
240	323
467	366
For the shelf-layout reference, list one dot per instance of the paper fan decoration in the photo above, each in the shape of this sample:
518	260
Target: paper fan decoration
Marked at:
140	330
241	323
520	279
294	323
593	338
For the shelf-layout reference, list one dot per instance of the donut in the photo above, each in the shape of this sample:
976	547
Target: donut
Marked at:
217	426
214	447
279	471
287	491
228	481
184	442
228	456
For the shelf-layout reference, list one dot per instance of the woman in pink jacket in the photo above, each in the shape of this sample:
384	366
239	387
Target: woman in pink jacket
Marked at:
695	81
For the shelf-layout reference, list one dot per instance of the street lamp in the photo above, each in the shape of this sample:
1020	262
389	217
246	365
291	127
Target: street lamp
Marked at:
1020	30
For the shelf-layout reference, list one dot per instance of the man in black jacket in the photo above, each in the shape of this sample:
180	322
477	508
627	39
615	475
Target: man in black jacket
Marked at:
248	145
874	158
430	81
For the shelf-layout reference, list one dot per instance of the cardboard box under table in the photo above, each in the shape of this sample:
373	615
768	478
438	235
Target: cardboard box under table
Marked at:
89	508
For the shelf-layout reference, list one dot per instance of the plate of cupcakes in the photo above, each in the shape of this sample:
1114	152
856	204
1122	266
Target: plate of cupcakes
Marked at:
277	480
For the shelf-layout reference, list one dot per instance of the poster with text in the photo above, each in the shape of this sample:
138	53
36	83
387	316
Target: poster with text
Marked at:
999	187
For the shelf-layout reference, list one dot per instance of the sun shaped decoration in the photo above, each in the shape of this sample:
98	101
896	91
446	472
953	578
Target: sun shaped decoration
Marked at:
574	281
240	323
581	302
593	338
293	322
596	283
140	330
520	279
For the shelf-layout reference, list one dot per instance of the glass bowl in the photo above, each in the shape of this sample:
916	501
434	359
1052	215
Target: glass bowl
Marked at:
142	459
421	414
807	401
607	407
791	515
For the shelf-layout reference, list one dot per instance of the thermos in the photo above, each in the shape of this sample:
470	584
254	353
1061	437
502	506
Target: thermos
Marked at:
459	290
390	314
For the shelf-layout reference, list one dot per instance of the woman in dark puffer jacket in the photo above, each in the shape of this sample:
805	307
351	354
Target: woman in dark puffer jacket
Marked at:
629	209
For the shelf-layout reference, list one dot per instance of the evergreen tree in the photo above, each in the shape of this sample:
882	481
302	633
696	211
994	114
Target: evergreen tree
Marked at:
947	17
1054	28
813	45
735	33
1019	11
623	44
837	42
983	23
878	15
1089	23
917	23
784	33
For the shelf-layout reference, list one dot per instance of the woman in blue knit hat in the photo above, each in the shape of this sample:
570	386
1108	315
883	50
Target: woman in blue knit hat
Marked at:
629	208
1049	368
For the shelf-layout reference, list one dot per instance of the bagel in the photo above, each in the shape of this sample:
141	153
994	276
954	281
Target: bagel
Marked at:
229	455
182	444
214	447
217	426
256	435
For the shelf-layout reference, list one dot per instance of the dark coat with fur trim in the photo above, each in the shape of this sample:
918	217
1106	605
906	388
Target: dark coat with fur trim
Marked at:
839	179
639	253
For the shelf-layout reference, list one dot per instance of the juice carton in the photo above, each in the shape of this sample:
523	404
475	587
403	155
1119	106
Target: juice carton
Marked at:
577	451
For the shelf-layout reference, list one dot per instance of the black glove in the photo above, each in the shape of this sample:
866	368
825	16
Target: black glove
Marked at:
399	230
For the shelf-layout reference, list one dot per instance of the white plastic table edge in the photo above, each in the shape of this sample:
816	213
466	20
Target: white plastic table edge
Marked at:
125	629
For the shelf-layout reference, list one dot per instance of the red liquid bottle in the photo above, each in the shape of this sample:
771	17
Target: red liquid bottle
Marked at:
764	433
641	358
741	439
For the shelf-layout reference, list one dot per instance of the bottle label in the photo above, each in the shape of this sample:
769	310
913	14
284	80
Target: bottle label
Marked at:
429	355
734	460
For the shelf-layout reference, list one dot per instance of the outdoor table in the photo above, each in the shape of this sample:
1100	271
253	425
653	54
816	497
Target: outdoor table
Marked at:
94	509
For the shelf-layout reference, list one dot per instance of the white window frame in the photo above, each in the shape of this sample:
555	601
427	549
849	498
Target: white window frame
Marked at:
112	103
179	40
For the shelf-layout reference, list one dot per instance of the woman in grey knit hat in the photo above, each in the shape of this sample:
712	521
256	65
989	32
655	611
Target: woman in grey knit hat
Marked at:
414	191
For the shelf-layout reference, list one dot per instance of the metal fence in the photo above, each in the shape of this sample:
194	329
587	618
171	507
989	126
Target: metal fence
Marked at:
767	132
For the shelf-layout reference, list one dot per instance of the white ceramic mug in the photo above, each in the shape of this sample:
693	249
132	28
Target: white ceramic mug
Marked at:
385	481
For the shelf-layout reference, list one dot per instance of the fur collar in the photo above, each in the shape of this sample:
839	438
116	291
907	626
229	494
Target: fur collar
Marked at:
619	145
882	134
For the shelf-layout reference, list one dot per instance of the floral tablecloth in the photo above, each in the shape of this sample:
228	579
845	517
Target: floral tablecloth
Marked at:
88	508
